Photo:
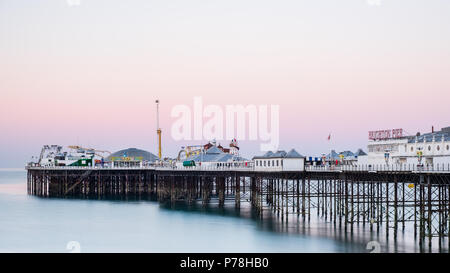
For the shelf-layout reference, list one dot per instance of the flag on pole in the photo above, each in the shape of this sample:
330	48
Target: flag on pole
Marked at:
329	137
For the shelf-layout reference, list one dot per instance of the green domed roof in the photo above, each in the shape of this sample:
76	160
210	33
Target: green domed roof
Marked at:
133	152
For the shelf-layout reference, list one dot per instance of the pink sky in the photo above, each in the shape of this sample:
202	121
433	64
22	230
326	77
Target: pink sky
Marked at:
90	74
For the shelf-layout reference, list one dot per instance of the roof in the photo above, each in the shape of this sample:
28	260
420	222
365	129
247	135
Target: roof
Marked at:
133	152
347	154
293	154
214	154
360	152
214	150
332	155
280	154
444	134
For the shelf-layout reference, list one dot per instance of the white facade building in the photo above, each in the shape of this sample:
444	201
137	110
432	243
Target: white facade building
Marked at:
279	161
430	149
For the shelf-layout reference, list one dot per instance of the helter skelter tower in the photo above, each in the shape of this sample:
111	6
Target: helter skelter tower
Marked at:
158	130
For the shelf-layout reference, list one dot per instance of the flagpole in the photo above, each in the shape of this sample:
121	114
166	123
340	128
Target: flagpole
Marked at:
330	147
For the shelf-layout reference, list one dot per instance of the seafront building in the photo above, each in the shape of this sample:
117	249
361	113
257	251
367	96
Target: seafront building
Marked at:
131	157
212	157
280	161
430	149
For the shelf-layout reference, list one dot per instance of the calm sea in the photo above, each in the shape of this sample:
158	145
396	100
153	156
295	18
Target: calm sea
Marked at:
33	224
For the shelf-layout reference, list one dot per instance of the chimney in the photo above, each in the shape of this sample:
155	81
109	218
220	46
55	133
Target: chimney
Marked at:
432	129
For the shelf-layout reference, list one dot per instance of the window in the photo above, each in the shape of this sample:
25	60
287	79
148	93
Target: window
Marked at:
268	163
277	163
273	163
412	149
438	148
448	147
429	148
264	163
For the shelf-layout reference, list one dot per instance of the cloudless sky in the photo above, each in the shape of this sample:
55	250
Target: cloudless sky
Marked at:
88	74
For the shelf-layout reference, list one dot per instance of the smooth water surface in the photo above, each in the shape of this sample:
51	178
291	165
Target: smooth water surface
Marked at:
33	224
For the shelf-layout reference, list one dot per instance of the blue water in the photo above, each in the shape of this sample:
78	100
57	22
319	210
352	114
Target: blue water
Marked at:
33	224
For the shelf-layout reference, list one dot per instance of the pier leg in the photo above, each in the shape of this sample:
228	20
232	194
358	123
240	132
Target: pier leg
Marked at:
220	183
238	192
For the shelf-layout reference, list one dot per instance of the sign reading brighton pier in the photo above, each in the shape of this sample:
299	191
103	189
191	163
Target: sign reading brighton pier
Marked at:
385	134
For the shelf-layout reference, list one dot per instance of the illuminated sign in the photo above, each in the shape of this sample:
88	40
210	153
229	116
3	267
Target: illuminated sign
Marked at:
385	134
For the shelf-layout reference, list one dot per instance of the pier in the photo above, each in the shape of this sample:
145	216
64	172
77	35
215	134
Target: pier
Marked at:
380	198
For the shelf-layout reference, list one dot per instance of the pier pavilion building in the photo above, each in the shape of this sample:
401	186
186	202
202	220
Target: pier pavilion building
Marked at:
131	157
280	161
432	149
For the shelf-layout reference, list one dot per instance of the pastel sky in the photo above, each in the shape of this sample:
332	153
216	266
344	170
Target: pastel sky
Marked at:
89	74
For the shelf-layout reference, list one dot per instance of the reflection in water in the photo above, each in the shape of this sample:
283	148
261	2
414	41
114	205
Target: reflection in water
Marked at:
355	240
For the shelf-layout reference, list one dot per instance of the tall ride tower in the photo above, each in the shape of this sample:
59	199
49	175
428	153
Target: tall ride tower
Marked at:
158	130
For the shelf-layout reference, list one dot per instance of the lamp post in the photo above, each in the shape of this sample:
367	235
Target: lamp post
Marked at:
341	156
386	156
419	155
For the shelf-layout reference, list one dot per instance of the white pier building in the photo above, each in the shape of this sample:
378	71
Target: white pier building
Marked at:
392	147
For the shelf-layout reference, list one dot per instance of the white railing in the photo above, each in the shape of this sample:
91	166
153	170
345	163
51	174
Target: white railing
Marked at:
383	167
90	168
193	168
437	168
207	168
